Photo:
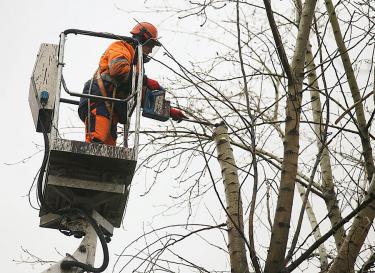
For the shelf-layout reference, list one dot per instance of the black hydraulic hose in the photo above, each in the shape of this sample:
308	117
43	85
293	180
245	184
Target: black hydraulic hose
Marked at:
69	264
44	163
66	265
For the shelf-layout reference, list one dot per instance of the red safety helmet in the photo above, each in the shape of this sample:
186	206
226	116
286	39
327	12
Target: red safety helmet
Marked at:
146	33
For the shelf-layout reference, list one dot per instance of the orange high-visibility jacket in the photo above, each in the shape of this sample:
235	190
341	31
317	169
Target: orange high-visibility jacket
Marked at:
115	63
117	60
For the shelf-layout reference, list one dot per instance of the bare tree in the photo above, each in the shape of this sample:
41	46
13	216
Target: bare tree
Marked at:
261	61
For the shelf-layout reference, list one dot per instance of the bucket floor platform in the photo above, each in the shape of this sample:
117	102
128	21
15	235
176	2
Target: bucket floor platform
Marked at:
90	176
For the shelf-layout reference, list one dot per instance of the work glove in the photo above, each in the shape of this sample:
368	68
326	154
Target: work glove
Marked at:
152	84
177	114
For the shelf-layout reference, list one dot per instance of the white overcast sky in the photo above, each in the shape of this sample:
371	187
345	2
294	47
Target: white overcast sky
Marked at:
24	25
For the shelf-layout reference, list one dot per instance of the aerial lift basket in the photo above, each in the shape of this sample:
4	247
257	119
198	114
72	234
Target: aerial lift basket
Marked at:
90	176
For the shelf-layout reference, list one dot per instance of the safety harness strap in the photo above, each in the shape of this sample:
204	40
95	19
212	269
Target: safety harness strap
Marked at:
103	92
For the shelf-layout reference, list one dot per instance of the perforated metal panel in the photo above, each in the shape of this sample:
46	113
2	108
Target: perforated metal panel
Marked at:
44	78
90	176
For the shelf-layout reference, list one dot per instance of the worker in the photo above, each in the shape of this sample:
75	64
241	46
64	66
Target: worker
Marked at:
113	79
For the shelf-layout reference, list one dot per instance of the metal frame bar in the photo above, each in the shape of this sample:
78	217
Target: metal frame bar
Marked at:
60	81
60	64
89	96
100	34
139	100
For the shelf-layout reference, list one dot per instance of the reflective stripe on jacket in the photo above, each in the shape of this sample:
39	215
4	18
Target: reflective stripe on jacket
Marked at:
117	60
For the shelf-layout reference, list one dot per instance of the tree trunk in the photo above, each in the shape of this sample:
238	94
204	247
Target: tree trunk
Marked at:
351	247
344	261
316	230
352	81
328	190
281	224
236	239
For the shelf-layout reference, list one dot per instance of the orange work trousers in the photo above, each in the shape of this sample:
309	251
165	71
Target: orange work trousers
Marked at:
101	129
